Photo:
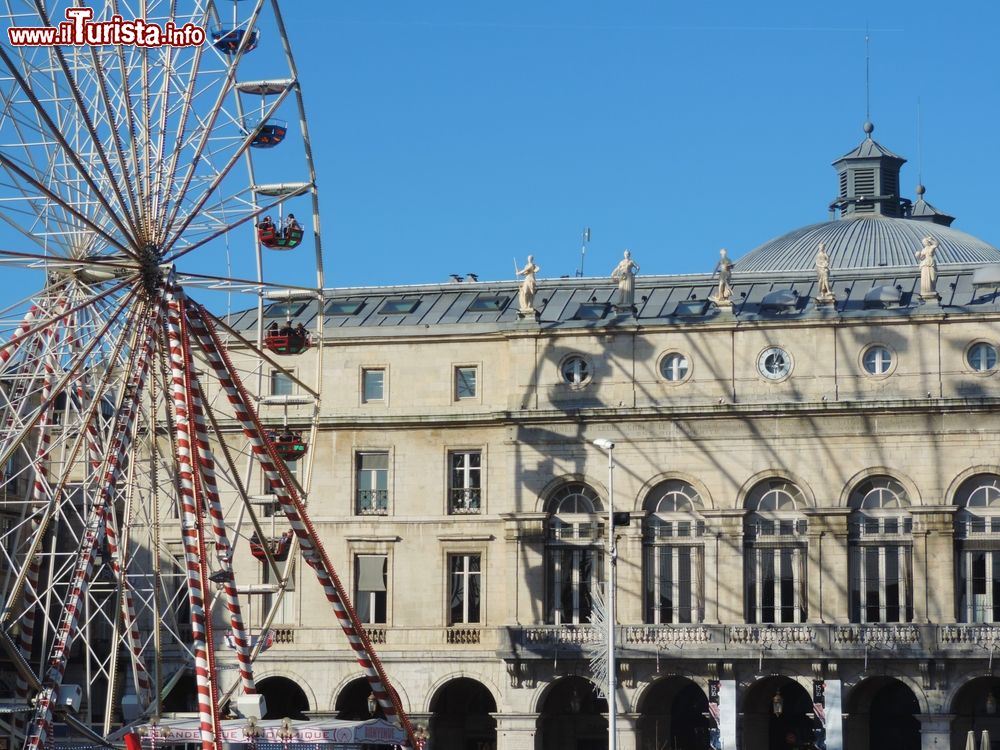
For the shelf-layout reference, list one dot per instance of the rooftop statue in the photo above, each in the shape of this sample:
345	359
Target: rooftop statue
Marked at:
824	288
624	274
526	293
724	291
928	268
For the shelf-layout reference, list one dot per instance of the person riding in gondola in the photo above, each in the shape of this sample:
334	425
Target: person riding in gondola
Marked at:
291	224
273	328
300	331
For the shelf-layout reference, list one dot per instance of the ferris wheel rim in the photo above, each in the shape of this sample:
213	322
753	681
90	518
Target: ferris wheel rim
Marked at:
91	235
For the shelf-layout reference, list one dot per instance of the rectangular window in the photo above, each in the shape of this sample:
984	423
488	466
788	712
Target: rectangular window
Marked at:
776	585
979	587
372	483
572	579
373	384
281	384
370	588
673	584
464	488
466	580
466	382
881	589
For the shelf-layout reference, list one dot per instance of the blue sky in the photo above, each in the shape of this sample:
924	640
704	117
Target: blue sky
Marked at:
452	136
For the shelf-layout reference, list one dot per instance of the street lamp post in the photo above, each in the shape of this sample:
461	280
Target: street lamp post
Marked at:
609	447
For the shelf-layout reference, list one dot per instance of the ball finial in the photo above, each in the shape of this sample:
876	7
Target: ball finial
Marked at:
869	126
921	190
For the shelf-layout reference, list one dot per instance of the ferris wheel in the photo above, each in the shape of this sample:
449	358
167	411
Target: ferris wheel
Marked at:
152	459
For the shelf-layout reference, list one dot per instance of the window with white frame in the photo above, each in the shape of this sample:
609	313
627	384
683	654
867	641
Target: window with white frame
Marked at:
573	554
372	384
982	357
674	367
977	540
372	482
466	382
464	604
575	370
674	554
881	541
877	359
281	383
465	482
775	550
371	575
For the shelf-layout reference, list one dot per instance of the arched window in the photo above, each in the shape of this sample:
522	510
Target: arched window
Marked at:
573	553
674	554
774	535
881	540
977	533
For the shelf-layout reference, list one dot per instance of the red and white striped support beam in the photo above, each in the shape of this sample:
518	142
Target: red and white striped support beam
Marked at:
282	486
17	338
41	732
192	526
224	550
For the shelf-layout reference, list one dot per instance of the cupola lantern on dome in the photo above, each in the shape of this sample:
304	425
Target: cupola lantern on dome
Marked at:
924	211
869	181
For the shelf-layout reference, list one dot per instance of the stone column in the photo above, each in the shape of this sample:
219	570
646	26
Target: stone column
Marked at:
630	569
628	731
834	565
516	731
935	731
938	561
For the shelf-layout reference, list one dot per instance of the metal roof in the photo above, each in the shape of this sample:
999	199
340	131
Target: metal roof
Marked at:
870	149
865	242
582	304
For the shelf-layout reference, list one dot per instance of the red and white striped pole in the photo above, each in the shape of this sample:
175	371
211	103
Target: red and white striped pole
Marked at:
281	485
192	527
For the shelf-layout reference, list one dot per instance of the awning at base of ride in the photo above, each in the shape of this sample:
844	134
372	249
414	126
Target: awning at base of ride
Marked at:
321	732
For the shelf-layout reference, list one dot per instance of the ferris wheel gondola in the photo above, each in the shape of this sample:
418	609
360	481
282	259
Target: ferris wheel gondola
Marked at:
129	510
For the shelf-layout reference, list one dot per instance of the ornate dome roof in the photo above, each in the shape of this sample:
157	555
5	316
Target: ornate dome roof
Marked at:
865	242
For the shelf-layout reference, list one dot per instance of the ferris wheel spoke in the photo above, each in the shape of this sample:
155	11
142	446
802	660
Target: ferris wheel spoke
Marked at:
224	89
67	149
114	127
80	580
12	441
96	142
69	208
223	171
45	323
187	101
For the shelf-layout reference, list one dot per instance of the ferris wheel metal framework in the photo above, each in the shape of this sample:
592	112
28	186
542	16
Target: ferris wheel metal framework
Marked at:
130	440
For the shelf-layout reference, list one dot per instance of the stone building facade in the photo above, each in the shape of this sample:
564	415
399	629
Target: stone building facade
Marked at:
811	489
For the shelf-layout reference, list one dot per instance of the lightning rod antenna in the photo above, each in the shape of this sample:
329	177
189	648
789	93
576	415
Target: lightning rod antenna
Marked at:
583	251
868	113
